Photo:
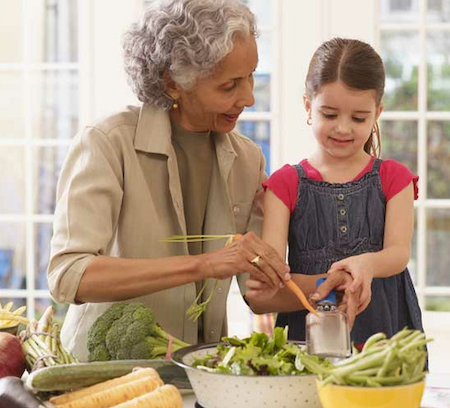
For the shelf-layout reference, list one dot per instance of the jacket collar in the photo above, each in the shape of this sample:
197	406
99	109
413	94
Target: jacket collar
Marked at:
153	134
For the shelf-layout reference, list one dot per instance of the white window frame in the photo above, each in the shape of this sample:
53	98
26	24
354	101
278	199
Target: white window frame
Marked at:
421	116
30	217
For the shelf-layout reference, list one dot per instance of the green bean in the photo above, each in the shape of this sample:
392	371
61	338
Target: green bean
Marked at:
372	340
382	362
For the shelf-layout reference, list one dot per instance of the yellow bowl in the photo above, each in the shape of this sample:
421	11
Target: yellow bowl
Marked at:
401	396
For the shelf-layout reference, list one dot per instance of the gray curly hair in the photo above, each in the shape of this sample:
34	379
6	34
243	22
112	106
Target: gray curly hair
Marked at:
185	38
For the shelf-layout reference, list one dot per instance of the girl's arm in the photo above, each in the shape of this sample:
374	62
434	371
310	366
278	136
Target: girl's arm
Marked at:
260	297
394	257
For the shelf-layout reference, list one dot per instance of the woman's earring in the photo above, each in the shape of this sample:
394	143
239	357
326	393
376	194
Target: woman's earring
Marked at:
309	121
175	104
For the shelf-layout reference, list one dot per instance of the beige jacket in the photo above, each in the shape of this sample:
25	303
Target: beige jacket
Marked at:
119	192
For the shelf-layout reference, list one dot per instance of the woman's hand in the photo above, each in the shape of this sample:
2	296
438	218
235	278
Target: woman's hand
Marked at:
250	255
362	274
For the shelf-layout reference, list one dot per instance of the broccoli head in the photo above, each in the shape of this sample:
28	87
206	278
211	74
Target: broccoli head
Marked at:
128	331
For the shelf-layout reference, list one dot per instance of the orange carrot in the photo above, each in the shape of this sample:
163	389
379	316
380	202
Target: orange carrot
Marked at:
292	286
299	293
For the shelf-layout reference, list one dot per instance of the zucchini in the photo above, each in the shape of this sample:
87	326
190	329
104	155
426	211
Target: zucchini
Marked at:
67	377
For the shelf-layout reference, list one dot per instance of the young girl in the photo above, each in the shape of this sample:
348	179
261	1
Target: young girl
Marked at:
344	208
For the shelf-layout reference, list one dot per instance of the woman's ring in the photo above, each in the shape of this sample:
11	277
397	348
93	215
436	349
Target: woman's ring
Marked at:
255	260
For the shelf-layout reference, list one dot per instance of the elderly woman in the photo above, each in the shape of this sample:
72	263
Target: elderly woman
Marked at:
171	166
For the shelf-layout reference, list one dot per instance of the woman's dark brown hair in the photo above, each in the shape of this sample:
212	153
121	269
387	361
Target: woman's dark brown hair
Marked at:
357	65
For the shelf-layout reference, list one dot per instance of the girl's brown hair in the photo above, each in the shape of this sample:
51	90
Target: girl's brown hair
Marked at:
357	65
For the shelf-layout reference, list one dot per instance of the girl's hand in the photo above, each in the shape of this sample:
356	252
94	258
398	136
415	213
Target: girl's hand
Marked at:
362	273
240	256
259	291
340	280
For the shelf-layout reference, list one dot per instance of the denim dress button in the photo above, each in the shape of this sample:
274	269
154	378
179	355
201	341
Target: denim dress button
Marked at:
340	197
342	211
343	229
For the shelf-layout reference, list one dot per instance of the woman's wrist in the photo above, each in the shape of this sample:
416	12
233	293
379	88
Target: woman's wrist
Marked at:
202	267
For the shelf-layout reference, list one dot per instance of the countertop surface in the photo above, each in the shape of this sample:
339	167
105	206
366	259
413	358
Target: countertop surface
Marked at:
429	400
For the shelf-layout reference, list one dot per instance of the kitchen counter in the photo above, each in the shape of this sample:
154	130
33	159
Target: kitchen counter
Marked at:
189	400
429	400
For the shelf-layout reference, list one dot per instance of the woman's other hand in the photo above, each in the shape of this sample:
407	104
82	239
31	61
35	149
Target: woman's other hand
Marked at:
259	291
249	255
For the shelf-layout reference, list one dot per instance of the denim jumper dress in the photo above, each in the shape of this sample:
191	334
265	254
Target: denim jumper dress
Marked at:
333	221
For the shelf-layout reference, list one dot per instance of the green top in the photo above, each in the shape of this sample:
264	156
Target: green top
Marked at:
195	152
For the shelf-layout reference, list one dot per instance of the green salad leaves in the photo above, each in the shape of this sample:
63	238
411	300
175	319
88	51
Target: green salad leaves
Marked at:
260	354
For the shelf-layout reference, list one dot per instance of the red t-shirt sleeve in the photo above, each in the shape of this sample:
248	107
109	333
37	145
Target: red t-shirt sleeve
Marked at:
395	177
284	184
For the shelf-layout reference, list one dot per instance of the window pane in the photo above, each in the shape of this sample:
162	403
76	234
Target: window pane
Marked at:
438	255
43	235
438	11
12	179
60	309
437	303
11	104
399	11
55	104
438	51
54	32
400	53
48	162
262	10
438	154
262	75
11	28
12	255
399	142
259	132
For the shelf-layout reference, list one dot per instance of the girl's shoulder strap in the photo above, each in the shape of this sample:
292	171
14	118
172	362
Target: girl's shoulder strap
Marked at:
300	171
376	164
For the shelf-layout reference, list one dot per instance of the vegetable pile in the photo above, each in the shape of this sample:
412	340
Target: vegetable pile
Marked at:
10	318
141	388
399	360
42	345
260	354
129	331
